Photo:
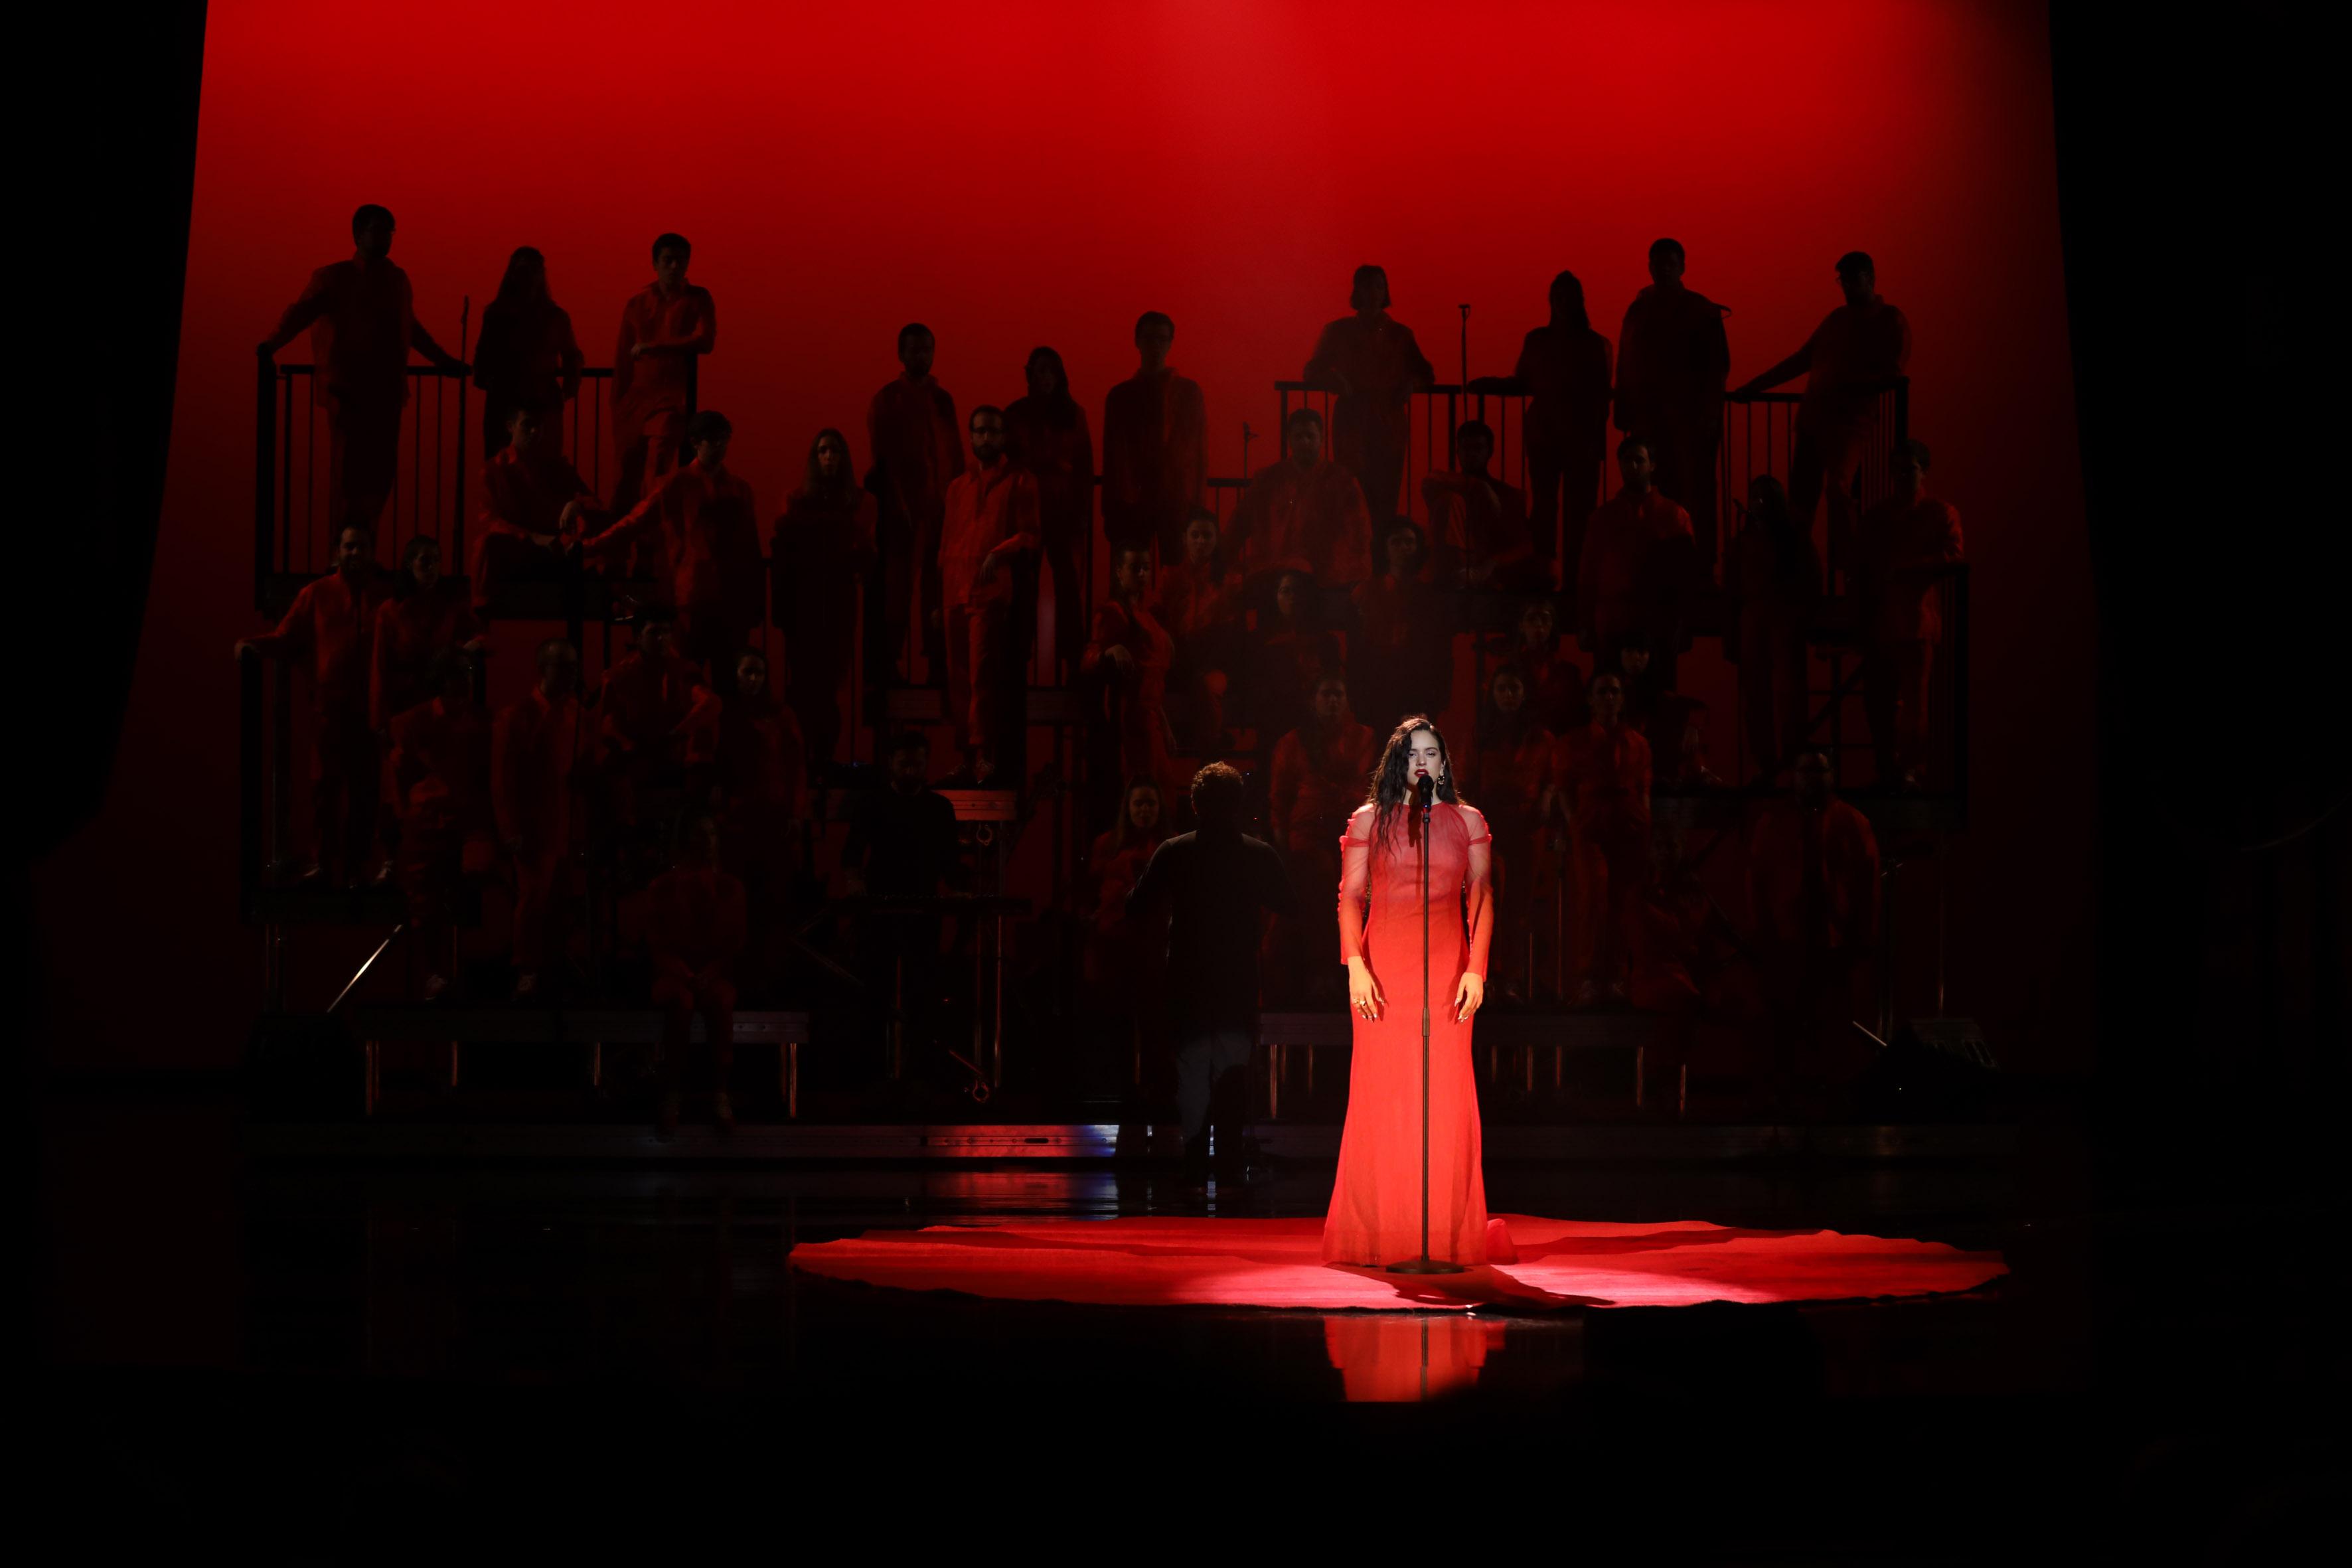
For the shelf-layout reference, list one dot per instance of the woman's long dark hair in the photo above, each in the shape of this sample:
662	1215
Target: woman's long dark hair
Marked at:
1577	320
524	286
1061	407
1390	795
817	485
1497	727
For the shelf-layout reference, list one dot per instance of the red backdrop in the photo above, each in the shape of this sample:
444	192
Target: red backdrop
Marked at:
1032	173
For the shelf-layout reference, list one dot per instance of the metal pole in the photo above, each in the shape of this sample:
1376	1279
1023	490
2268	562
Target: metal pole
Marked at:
458	521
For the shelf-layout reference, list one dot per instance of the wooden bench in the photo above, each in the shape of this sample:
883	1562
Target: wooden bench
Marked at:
592	1028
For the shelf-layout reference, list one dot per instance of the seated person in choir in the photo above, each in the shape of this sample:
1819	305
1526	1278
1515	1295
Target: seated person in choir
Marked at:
527	354
1129	656
1676	732
1123	959
1401	652
534	507
664	328
745	762
696	928
1603	771
1638	570
1198	602
1643	675
1372	360
540	749
642	707
1555	682
704	516
1903	545
823	551
989	530
1319	777
1775	579
1480	522
331	625
1046	433
1304	514
902	845
439	767
1511	773
1290	652
1813	898
425	621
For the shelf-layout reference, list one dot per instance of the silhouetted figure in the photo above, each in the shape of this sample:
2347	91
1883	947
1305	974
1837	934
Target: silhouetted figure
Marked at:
696	928
1813	898
534	507
1304	514
1858	348
1512	771
1480	522
439	766
902	844
1130	654
823	548
539	759
1564	369
1155	456
917	450
745	763
1045	433
1672	361
1775	579
332	624
1400	651
363	320
1217	885
1198	602
1292	651
1904	546
1319	774
1603	771
664	327
1374	365
1126	961
527	356
990	526
643	706
1555	680
1637	569
426	619
705	519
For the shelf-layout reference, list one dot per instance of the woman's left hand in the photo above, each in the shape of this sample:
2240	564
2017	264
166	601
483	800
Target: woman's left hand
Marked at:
1467	995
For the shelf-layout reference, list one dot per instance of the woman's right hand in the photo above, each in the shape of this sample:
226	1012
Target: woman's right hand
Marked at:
1364	998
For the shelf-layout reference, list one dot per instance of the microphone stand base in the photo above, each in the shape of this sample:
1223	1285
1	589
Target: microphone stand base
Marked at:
1425	1266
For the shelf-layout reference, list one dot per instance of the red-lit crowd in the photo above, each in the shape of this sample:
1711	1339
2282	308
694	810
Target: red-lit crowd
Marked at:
1294	630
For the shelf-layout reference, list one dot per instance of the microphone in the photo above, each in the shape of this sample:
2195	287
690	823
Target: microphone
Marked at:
1424	790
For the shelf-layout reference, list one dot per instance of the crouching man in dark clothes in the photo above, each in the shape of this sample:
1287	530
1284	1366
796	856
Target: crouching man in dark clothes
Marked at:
1218	886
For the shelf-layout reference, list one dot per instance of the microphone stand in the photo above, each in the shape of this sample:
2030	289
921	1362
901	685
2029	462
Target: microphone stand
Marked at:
1424	1263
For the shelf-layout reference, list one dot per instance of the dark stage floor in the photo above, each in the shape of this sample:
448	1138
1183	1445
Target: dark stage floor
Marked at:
343	1357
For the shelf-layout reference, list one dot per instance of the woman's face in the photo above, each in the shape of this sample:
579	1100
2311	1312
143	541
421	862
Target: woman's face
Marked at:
1510	693
426	566
1426	757
832	459
1608	698
751	675
1045	381
1404	553
1143	808
1286	597
1200	541
1535	626
1131	572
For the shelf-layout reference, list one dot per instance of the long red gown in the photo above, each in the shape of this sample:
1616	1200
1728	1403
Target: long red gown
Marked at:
1375	1215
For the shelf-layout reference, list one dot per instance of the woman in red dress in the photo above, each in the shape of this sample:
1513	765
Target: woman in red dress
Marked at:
1376	1213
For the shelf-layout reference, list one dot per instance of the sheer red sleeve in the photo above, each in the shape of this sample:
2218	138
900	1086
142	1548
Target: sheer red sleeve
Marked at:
1478	888
1355	882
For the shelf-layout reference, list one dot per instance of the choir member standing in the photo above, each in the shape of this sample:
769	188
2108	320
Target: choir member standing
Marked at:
534	506
527	356
426	619
1812	891
1125	963
1480	522
1293	652
1129	653
1564	369
440	770
917	450
538	746
1319	777
664	328
1638	567
1673	359
641	707
745	759
1155	457
990	524
362	322
332	624
902	845
1604	776
1555	680
823	548
695	929
705	519
1905	542
1856	351
1045	432
1401	652
1374	365
1304	514
1198	602
1775	577
1512	770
